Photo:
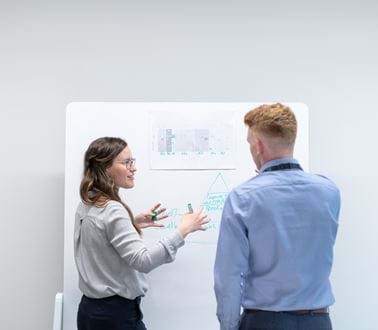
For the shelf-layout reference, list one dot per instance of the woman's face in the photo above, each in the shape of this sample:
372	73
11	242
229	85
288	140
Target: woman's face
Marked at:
122	170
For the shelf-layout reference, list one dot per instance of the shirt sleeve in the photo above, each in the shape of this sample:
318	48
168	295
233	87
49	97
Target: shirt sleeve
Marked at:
129	245
231	263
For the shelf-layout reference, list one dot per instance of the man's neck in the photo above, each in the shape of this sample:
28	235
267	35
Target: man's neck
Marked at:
277	156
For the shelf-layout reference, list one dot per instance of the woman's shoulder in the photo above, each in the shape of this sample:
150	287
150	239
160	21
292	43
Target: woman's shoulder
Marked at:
113	205
82	208
114	208
108	208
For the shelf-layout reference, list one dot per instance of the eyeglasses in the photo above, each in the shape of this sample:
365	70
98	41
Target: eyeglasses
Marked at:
129	163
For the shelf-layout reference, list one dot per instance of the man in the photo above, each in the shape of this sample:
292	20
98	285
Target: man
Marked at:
277	233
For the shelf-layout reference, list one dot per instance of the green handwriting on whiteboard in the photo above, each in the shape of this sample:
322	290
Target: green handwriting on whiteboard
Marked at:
213	202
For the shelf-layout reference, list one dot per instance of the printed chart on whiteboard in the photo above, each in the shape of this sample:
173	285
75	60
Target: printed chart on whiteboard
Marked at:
184	142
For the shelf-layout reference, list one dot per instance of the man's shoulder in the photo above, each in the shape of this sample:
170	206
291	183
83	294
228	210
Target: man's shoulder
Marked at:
249	186
257	182
264	181
323	180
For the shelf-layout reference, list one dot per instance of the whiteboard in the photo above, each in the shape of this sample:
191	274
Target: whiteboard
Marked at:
185	287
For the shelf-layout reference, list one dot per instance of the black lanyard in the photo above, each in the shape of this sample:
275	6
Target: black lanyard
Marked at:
285	166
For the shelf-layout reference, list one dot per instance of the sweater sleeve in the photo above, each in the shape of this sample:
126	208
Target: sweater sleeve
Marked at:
129	245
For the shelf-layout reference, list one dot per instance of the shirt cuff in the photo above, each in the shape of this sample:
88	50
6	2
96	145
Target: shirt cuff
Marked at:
176	240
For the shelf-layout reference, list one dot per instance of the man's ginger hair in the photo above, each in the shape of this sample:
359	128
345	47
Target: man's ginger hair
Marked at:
273	121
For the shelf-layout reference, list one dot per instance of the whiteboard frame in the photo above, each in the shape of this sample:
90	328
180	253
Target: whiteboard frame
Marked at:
77	122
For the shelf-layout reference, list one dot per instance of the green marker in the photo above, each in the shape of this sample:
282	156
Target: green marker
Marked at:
190	208
154	215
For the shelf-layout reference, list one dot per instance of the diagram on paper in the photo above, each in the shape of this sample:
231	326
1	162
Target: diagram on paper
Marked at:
195	145
184	141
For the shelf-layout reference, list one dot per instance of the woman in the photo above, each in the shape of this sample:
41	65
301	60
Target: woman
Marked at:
109	253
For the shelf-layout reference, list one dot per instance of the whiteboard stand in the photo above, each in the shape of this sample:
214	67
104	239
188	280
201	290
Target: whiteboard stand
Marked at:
58	311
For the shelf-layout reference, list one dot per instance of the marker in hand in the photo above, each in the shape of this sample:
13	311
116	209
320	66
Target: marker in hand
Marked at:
154	215
192	221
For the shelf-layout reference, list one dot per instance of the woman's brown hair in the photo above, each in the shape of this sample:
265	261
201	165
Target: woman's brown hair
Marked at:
97	187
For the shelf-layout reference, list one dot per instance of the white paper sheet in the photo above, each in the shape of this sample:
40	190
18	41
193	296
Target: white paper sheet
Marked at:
192	142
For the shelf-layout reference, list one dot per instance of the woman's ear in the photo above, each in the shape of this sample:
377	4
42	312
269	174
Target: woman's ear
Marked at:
108	171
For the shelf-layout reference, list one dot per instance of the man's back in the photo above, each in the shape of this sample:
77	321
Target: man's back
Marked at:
291	221
275	247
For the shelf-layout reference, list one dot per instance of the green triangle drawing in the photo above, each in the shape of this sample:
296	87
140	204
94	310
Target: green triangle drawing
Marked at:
216	195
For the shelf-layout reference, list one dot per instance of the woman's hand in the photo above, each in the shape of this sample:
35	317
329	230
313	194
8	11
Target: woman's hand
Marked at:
144	220
191	222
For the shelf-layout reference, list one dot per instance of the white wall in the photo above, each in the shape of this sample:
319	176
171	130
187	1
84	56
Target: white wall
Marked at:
320	53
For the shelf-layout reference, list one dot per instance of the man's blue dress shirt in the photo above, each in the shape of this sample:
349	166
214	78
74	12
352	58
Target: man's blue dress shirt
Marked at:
275	247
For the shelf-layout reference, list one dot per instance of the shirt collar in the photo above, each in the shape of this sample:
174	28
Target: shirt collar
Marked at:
278	161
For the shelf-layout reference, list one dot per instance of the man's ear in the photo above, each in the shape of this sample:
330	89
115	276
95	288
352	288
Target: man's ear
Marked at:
260	146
